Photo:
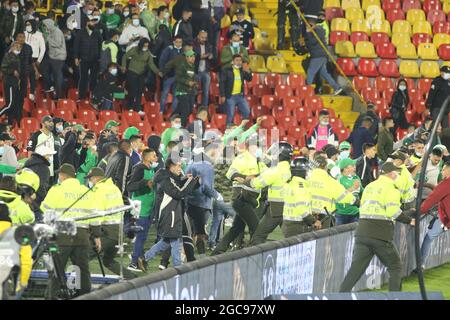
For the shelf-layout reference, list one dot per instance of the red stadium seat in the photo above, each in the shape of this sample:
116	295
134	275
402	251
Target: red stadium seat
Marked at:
314	103
336	123
106	115
260	90
386	50
419	106
145	128
334	12
387	95
369	94
305	91
96	125
73	94
132	117
429	5
154	120
280	112
380	104
46	104
38	113
388	68
86	115
367	67
21	136
358	36
67	115
423	85
67	104
379	37
444	51
441	27
272	80
258	111
419	38
348	66
30	124
287	122
151	107
336	36
296	132
415	95
394	15
391	5
361	82
303	113
283	91
435	16
220	120
252	101
410	83
269	101
267	122
383	83
254	82
295	81
292	102
411	4
27	105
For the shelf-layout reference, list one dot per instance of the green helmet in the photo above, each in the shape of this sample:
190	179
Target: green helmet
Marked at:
28	178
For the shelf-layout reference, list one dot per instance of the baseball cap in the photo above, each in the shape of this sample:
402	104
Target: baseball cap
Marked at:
95	172
67	125
345	145
79	127
438	146
131	131
388	167
111	123
445	69
344	163
398	155
5	137
240	11
189	53
68	170
44	151
47	118
331	151
324	112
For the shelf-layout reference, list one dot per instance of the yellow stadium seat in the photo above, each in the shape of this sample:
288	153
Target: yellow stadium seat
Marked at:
401	26
331	4
290	55
350	4
295	67
367	3
422	27
406	51
277	64
374	13
429	69
340	24
225	22
441	38
360	26
365	49
400	38
446	7
257	63
352	14
264	44
381	26
427	51
345	49
409	69
414	15
445	63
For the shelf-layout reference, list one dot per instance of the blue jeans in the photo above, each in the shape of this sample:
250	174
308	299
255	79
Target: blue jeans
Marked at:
168	84
205	79
106	104
345	219
220	209
432	234
162	245
320	65
239	101
141	237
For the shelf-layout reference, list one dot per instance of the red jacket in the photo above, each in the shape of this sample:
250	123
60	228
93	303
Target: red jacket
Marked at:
441	196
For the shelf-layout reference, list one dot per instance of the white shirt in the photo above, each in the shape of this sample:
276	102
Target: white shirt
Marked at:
9	158
37	43
202	64
205	4
130	32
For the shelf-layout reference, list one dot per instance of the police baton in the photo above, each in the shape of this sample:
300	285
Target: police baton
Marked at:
97	253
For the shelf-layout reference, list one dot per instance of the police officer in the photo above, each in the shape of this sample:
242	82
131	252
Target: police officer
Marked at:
326	192
439	91
16	251
297	214
405	182
285	8
245	198
75	201
275	178
380	206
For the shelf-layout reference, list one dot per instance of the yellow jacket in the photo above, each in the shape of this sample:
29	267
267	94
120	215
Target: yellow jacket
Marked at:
297	200
19	211
245	165
405	184
275	178
107	196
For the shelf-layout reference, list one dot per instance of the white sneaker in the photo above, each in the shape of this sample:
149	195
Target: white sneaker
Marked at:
141	113
336	93
228	222
31	97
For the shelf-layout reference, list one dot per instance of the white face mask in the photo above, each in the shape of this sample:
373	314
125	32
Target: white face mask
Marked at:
324	123
136	22
113	71
446	76
177	125
235	44
110	11
29	29
144	49
258	153
15	9
89	12
90	184
345	154
402	88
154	165
126	13
16	52
74	24
59	129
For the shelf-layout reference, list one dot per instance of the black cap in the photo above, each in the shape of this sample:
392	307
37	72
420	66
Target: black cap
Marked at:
95	172
398	155
5	137
389	167
68	170
46	118
331	151
445	69
240	11
324	112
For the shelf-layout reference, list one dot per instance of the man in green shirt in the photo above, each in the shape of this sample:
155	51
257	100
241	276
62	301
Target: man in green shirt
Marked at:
171	133
109	17
235	47
348	213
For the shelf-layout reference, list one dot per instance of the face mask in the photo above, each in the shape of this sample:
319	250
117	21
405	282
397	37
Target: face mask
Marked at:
178	48
177	125
113	72
236	66
89	12
136	22
29	29
16	52
74	24
154	165
167	15
59	129
94	148
126	13
59	181
258	153
110	11
402	88
145	49
418	155
446	76
323	123
68	37
235	44
90	184
345	154
15	9
2	150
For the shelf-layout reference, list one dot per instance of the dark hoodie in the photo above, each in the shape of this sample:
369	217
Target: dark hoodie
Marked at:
399	104
39	165
153	142
68	152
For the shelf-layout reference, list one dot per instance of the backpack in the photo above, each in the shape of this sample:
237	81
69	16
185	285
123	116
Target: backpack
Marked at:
105	59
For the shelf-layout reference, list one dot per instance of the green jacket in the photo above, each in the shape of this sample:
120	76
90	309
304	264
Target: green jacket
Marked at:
240	134
184	72
139	61
112	21
349	209
226	56
89	163
167	136
113	49
150	22
385	144
140	190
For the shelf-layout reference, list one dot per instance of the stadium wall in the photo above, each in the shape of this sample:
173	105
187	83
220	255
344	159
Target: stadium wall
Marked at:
315	262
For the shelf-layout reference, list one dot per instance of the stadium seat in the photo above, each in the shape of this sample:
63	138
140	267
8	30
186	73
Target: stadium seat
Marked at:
86	115
429	5
360	82
336	36
350	4
340	24
367	3
367	67
435	16
422	27
258	111
331	3
410	83
441	38
419	38
252	100
283	91
277	64
388	68
261	90
446	7
220	120
30	124
427	51
67	104
383	83
352	14
414	15
379	37
400	38
155	120
347	66
296	133
441	27
387	95
272	80
365	49
268	122
406	51
381	26
257	63
374	13
96	125
106	115
145	128
423	85
295	81
411	4
302	113
269	101
38	113
358	36
444	51
280	112
401	26
151	107
409	69
67	115
369	94
394	15
391	5
292	103
314	103
386	50
360	25
304	91
345	49
429	69
334	12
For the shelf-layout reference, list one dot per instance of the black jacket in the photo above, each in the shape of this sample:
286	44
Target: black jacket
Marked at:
248	33
365	170
439	91
39	165
26	60
227	81
137	181
106	87
102	140
10	63
7	25
68	152
184	30
198	51
87	47
119	170
170	202
399	104
314	47
375	125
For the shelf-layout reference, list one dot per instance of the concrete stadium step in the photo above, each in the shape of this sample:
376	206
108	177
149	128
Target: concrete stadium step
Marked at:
338	103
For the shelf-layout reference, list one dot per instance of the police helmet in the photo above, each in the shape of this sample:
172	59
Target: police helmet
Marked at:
27	181
282	150
300	167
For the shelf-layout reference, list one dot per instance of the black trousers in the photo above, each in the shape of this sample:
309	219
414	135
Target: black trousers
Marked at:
295	24
88	77
11	92
185	106
135	88
444	121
